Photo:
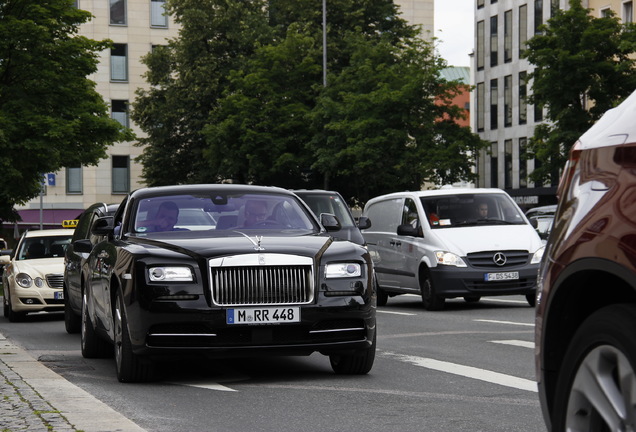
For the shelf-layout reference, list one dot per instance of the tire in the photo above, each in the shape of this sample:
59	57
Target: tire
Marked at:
531	299
596	379
92	345
72	322
382	296
472	299
359	363
430	299
130	367
9	313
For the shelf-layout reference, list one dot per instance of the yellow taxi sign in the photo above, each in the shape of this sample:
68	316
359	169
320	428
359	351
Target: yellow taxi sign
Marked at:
70	223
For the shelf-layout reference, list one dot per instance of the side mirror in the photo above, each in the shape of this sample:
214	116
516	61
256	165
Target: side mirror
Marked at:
330	222
82	246
5	259
408	230
364	222
103	226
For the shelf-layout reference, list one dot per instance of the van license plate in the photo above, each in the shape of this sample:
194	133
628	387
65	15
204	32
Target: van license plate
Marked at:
490	277
263	315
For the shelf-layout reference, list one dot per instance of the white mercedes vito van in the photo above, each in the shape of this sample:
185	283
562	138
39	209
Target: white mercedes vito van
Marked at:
452	243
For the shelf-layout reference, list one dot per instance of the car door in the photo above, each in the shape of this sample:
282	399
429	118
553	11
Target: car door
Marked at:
381	240
407	248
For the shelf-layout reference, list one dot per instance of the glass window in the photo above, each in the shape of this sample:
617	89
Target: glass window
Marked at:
481	35
119	62
508	36
538	16
74	180
494	107
523	93
481	106
118	12
523	28
508	100
523	162
554	7
119	111
409	214
494	41
628	12
158	16
121	174
385	216
508	164
480	4
494	165
538	113
604	13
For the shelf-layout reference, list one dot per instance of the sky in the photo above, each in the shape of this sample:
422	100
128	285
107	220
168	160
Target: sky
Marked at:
454	29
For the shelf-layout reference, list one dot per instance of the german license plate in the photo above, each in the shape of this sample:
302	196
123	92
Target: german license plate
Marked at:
58	295
263	315
502	276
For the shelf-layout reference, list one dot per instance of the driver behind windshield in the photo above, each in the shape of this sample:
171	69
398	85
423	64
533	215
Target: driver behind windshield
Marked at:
255	213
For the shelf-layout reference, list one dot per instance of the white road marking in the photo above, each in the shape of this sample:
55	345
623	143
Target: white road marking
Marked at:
519	343
205	385
506	322
470	372
396	313
500	300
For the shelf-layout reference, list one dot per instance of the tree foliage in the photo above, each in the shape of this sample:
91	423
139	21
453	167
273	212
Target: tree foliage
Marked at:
265	117
50	114
583	68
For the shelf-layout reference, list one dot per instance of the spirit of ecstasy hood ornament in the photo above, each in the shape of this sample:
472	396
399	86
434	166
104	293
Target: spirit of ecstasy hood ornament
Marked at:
257	243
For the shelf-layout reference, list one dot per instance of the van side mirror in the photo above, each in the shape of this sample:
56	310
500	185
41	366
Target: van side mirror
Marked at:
330	222
408	230
364	222
103	226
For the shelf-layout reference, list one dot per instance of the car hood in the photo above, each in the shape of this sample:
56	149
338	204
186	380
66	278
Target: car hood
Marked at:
310	246
40	266
466	240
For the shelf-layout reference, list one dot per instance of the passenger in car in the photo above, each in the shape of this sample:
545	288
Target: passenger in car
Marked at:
165	219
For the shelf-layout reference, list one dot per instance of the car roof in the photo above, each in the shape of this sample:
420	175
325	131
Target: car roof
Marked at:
49	233
441	192
615	127
542	210
197	188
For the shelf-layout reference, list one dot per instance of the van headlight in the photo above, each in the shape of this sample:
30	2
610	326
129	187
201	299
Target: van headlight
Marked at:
449	259
536	258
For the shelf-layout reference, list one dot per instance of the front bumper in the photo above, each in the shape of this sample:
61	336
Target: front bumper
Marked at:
451	281
334	325
36	299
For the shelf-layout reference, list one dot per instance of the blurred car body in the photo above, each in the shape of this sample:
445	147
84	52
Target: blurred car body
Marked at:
544	217
586	309
331	202
33	279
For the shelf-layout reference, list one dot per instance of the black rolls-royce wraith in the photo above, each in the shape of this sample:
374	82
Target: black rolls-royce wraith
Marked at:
224	270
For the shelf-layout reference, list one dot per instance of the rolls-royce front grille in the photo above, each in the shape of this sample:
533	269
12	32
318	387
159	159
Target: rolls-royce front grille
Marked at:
262	284
55	280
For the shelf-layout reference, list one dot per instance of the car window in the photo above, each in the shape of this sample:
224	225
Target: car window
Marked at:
219	215
385	215
329	203
471	209
43	247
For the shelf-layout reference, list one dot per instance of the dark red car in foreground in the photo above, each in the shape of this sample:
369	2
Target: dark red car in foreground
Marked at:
586	308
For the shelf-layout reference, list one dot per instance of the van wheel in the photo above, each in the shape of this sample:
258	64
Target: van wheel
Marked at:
430	299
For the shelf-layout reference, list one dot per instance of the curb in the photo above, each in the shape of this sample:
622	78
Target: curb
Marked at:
35	398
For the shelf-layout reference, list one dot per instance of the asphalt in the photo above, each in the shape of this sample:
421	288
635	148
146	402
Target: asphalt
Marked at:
34	398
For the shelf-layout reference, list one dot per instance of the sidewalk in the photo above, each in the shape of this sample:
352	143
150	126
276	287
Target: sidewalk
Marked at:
34	398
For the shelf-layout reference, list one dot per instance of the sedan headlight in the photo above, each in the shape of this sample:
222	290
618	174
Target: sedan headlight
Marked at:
449	259
536	258
343	270
170	274
24	280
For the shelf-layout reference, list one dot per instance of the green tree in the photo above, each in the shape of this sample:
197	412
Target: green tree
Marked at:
50	114
583	68
268	119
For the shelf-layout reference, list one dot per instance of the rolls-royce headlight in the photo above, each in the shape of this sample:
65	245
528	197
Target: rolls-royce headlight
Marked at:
170	274
343	270
24	280
450	259
536	258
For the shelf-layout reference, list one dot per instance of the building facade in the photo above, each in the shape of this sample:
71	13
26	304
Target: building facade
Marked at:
501	114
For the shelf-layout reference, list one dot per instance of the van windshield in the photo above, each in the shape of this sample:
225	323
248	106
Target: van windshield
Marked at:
449	211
